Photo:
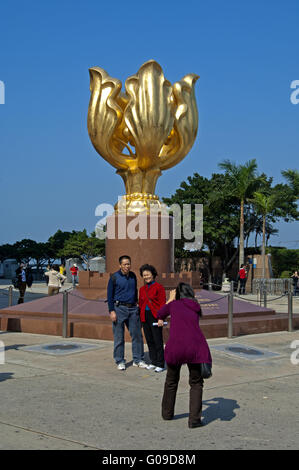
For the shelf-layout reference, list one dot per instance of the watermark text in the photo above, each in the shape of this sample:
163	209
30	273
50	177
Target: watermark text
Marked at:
165	223
294	358
295	94
2	92
2	353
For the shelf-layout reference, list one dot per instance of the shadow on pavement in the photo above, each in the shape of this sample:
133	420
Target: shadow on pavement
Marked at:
5	376
14	346
219	408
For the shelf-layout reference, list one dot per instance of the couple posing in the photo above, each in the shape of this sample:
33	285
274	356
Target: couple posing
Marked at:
124	310
186	344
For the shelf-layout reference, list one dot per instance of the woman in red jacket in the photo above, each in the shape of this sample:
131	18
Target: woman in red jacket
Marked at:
151	298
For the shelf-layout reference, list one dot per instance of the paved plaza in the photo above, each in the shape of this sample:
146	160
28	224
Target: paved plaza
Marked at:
79	400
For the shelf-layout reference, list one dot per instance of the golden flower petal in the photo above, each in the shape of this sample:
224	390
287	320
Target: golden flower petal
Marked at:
105	115
183	135
149	115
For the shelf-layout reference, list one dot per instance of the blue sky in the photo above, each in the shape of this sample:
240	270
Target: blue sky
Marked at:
246	54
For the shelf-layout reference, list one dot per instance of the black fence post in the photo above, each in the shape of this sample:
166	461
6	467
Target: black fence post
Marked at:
290	310
230	310
10	296
65	314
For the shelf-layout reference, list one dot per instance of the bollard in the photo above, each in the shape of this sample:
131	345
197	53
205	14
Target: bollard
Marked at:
230	311
65	314
290	311
265	294
10	296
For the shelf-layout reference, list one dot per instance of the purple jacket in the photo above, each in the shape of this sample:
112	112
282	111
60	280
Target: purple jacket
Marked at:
186	343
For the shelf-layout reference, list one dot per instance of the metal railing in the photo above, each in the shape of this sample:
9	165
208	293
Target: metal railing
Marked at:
271	286
8	291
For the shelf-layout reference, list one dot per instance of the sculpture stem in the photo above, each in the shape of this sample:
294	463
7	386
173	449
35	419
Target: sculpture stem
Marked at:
140	181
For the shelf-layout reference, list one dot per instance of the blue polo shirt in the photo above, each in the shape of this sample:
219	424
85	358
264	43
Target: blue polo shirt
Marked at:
124	289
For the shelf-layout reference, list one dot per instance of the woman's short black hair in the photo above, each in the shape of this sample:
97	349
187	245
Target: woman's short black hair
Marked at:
148	267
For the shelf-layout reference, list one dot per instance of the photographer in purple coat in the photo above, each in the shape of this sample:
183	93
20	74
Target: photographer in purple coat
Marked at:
186	345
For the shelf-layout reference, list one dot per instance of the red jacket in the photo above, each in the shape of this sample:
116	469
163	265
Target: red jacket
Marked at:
242	273
154	296
74	271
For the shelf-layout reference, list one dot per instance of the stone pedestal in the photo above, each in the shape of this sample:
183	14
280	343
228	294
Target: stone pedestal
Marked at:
146	239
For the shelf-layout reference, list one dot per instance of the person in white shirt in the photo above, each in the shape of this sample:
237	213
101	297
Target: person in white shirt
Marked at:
55	280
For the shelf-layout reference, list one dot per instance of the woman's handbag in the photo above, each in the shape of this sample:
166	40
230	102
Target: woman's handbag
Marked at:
205	370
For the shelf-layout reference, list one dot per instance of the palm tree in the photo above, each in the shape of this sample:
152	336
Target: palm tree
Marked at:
264	205
292	176
243	182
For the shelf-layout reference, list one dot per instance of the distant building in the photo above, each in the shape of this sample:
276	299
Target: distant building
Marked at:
9	267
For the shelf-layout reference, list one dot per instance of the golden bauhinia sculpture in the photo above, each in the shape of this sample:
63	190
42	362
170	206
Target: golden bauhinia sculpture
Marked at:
149	128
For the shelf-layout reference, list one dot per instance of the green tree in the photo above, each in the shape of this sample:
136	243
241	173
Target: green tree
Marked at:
292	176
220	216
243	182
283	260
27	250
80	245
7	251
264	204
57	242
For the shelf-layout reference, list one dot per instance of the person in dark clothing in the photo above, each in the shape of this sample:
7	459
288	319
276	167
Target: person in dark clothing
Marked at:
242	278
186	345
295	279
123	310
25	278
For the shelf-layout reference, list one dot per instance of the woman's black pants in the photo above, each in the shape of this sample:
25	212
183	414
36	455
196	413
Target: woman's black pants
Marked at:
154	339
170	390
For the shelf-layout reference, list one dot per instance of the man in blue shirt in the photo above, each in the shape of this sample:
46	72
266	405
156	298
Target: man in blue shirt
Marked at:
123	309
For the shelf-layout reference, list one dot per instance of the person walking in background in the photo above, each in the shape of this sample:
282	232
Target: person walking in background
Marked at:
186	345
295	279
242	278
62	269
74	272
55	280
151	298
25	279
123	309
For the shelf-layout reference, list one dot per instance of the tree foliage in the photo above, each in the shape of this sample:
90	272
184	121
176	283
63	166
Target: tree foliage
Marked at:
283	260
84	246
222	197
59	245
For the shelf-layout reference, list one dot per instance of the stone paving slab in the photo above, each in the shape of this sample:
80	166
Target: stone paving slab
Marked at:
14	437
82	401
